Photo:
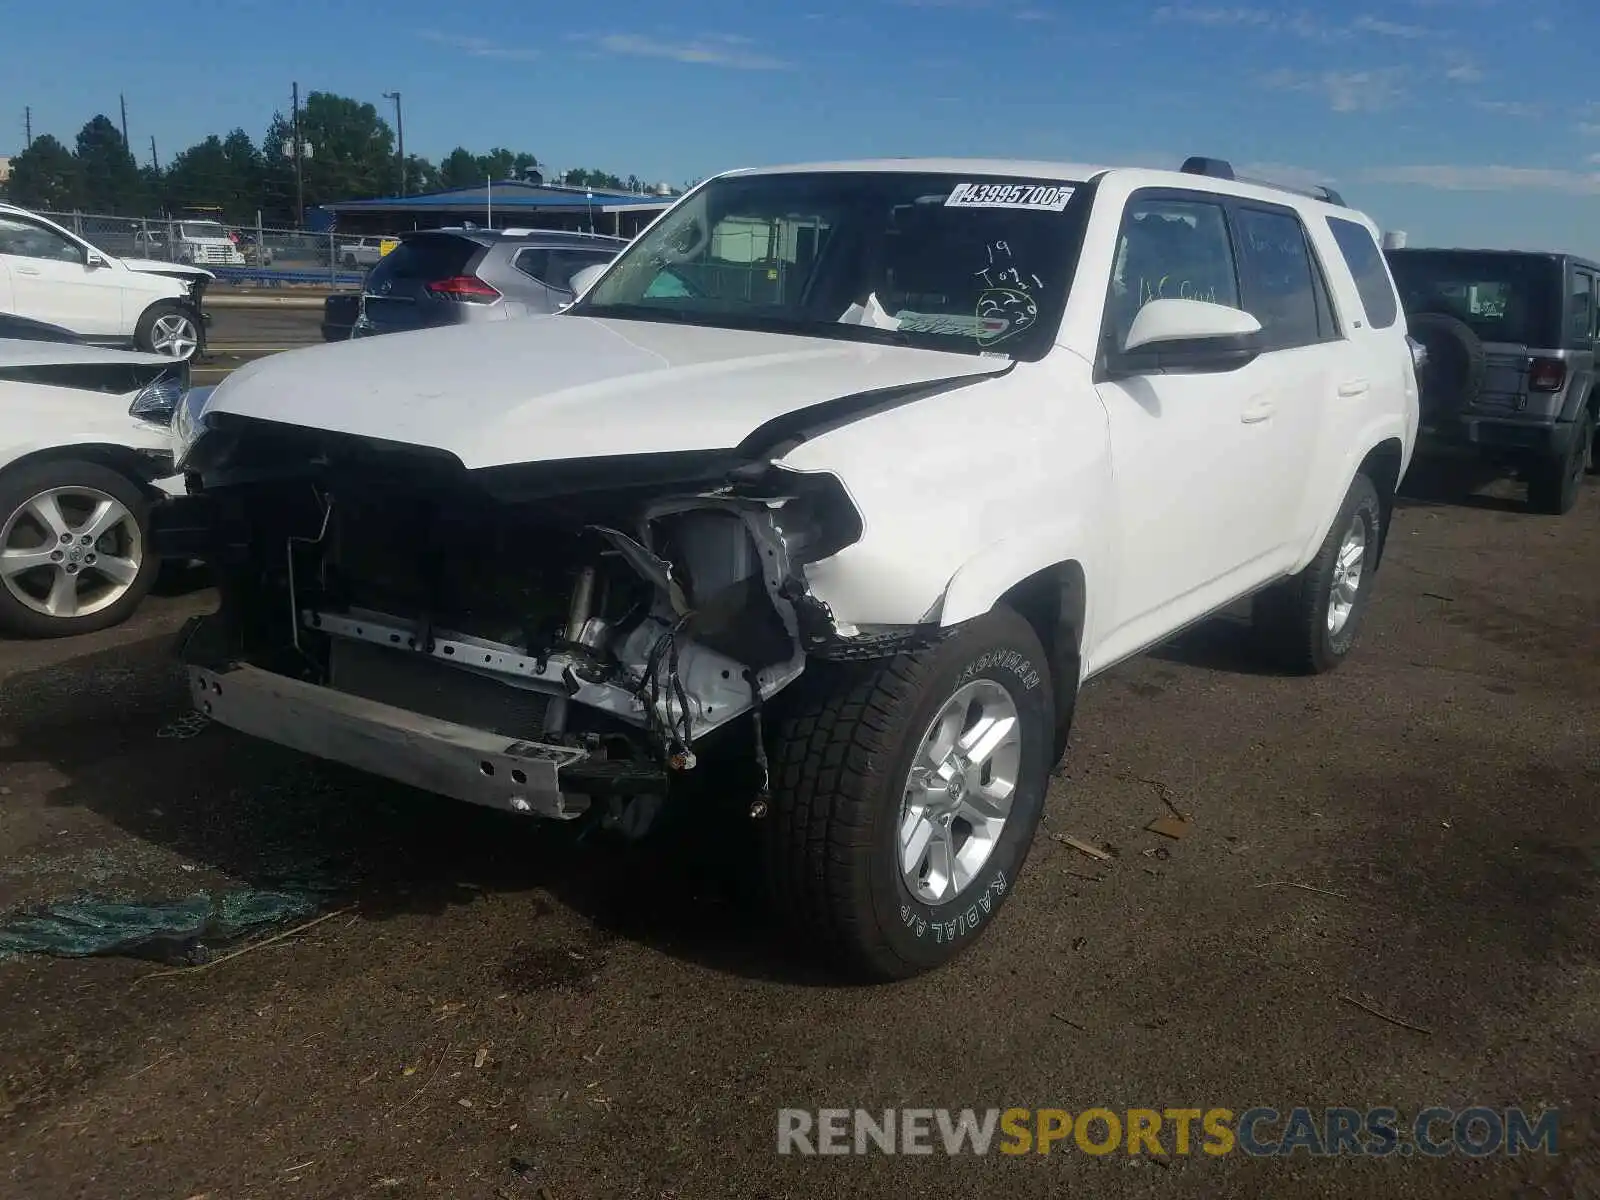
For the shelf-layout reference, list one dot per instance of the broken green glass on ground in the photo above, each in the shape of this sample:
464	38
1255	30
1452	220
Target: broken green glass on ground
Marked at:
182	932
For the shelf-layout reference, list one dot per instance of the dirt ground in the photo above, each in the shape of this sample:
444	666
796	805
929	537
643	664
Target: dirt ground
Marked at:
494	1011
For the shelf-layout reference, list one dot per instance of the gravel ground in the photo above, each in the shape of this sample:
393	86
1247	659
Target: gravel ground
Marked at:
495	1011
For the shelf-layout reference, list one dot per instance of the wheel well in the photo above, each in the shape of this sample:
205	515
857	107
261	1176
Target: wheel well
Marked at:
1382	466
140	467
1052	601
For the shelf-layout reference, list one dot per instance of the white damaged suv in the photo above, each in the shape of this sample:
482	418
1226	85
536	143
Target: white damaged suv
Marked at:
828	494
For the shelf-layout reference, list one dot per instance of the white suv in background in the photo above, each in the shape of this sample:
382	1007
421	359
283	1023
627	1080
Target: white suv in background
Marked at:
829	492
49	274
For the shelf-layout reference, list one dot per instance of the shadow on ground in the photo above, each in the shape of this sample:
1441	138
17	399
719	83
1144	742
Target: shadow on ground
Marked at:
1462	483
115	726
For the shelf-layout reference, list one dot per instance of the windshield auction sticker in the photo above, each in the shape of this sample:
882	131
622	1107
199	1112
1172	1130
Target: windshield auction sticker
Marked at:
1044	197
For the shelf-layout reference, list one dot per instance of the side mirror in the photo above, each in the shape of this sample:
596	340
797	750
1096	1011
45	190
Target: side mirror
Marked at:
96	261
1187	336
581	280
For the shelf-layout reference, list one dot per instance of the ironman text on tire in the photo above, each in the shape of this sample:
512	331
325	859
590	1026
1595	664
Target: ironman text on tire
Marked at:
906	795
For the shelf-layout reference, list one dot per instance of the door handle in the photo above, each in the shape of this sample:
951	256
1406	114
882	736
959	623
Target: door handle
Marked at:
27	270
1353	387
1259	409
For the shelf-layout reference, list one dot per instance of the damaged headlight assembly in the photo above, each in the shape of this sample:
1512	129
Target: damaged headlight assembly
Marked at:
187	419
160	399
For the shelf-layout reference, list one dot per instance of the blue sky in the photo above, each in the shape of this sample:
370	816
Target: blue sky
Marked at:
1460	121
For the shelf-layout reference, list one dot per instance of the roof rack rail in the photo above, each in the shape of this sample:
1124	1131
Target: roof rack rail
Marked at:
1221	168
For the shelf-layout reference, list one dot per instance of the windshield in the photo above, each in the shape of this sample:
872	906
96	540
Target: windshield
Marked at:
961	263
197	230
1501	297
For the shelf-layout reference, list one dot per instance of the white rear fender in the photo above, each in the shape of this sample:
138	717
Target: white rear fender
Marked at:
1388	430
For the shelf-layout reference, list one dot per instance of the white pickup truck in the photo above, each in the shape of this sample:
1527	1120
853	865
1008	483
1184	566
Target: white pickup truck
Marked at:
197	243
364	252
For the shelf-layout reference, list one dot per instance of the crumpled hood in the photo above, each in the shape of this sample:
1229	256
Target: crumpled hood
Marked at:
152	266
544	389
25	353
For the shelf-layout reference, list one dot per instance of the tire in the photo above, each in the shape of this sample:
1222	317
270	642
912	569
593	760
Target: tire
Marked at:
1554	483
1297	620
169	329
349	260
1456	364
841	768
29	523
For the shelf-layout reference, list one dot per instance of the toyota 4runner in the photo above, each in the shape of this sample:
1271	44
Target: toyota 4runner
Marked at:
828	495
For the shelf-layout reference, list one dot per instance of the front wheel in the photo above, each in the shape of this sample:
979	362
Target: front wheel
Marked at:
1309	622
906	795
168	329
74	549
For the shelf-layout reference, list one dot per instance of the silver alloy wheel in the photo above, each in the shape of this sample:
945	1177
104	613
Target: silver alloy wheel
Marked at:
175	335
70	552
1348	569
958	795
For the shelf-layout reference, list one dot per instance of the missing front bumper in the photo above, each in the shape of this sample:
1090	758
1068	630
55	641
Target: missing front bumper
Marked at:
437	756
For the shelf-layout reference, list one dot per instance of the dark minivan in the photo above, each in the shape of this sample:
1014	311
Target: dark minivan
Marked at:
1511	339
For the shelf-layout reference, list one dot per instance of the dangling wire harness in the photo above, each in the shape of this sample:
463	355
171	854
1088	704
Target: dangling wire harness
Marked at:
674	736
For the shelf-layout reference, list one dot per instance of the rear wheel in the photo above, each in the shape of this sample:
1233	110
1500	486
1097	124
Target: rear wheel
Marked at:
906	795
1554	483
74	549
1309	622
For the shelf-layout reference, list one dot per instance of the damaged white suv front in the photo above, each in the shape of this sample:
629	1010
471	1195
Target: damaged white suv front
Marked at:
826	495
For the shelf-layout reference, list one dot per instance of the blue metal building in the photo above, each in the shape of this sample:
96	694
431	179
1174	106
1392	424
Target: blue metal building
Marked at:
501	204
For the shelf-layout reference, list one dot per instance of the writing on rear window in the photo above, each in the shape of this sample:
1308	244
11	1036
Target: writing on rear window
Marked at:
1045	197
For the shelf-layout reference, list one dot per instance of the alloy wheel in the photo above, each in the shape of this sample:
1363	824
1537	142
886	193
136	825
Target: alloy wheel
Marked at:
70	552
957	797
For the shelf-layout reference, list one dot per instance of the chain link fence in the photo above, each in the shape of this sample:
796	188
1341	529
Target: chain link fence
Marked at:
243	254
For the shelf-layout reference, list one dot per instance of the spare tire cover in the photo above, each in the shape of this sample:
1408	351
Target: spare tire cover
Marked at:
1453	377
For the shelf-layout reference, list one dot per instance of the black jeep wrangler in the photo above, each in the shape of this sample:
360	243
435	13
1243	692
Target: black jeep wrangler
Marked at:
1511	340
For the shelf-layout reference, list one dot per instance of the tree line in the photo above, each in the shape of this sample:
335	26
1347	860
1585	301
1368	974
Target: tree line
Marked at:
352	156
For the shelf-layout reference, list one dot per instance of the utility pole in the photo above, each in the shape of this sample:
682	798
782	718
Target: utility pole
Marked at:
126	145
155	163
400	131
27	127
299	178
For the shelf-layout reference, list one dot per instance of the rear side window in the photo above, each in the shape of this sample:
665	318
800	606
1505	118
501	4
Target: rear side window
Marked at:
1582	306
1365	260
555	267
1508	298
1281	284
426	259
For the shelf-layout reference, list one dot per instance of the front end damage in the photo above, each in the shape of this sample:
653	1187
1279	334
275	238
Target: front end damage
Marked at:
555	639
